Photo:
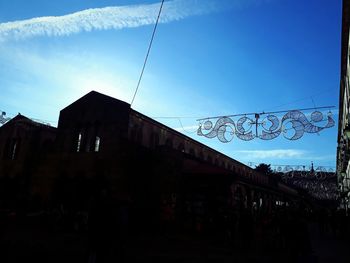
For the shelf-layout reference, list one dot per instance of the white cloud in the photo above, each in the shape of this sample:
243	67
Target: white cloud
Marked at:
113	17
277	154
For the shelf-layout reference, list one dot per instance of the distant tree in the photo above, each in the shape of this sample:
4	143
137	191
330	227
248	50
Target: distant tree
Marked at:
264	169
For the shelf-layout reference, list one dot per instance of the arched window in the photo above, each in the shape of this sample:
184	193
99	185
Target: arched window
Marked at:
169	142
139	135
13	153
79	142
223	164
192	152
201	155
154	142
209	159
15	148
216	162
181	147
97	144
133	134
233	168
11	149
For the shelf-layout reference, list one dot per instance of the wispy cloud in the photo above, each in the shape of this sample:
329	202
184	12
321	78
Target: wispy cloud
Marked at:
113	17
274	154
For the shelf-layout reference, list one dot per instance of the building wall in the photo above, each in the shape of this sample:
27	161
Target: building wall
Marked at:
343	149
151	134
136	160
23	145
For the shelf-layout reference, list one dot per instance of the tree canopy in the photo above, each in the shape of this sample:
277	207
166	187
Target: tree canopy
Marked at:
264	169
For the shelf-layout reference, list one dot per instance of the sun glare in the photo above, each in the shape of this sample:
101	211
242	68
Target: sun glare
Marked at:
115	87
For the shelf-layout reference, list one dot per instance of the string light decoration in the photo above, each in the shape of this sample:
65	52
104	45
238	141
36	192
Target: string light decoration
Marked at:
265	125
321	183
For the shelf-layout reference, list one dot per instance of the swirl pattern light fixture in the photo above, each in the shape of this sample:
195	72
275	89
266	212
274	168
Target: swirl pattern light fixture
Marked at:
266	125
3	118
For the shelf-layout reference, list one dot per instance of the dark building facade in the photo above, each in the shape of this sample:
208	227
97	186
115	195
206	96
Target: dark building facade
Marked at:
343	149
102	146
23	146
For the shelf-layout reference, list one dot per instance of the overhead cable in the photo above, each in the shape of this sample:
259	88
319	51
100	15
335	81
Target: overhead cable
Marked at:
148	51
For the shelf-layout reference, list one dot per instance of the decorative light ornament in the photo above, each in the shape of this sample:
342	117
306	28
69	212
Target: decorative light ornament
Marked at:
3	118
321	183
265	125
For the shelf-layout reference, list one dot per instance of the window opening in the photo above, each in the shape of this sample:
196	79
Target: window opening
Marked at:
14	147
79	142
97	144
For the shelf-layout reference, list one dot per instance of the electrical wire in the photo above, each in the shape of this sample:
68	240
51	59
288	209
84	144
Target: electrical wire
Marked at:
148	51
182	127
174	117
318	94
265	113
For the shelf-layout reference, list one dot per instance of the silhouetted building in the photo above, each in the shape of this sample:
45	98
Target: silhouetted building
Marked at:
24	145
101	145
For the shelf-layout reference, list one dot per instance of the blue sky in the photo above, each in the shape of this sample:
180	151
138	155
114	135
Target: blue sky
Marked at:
208	58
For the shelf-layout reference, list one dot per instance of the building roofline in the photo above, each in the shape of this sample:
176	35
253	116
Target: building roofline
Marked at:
154	122
20	117
184	136
96	93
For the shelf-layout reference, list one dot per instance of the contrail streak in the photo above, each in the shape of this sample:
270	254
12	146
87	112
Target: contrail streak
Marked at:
113	17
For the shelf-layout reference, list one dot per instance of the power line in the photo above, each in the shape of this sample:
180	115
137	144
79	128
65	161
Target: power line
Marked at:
175	117
265	113
183	129
199	118
262	112
302	99
148	51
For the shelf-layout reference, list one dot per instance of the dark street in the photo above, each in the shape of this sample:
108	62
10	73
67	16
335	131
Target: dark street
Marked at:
36	243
